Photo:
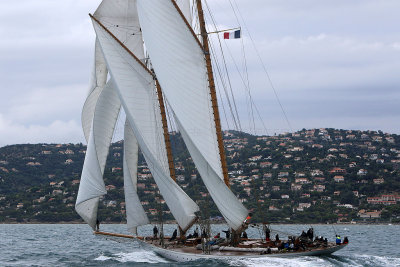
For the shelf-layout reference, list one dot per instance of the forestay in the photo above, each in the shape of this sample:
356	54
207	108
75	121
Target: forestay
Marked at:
179	63
136	89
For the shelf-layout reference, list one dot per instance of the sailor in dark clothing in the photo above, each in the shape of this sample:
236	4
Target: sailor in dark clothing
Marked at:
196	233
204	234
303	234
277	237
267	234
155	231
244	235
174	234
310	234
345	240
97	225
227	234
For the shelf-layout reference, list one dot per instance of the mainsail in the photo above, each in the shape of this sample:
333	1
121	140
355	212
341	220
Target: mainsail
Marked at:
136	88
179	63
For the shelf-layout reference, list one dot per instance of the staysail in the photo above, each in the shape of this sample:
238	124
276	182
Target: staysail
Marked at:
179	63
136	88
135	213
92	185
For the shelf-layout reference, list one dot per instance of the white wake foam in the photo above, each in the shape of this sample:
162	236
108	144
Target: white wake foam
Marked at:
278	262
102	258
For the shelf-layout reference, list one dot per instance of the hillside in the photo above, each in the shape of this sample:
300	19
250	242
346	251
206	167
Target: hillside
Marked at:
311	176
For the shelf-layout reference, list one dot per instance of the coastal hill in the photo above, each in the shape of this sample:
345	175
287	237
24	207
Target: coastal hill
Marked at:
310	176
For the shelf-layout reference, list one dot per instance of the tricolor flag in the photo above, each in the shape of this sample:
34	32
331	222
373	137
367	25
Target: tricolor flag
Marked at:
232	35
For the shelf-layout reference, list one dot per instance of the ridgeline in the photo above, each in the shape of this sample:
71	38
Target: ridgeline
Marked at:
310	176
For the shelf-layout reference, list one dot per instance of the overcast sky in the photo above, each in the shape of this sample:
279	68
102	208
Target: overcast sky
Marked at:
333	64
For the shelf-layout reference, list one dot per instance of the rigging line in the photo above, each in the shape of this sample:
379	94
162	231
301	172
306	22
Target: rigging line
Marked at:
251	100
263	65
225	67
246	75
224	86
247	89
245	70
222	104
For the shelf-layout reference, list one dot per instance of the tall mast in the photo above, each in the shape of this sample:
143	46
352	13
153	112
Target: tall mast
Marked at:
166	134
160	101
213	93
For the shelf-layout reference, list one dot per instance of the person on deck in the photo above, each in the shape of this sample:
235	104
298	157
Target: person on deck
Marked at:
155	231
267	234
338	240
204	234
217	235
244	235
227	234
310	234
345	240
174	234
277	238
196	233
97	225
303	234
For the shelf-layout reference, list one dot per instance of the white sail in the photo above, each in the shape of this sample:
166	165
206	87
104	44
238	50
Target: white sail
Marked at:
180	65
135	213
184	6
138	96
92	185
120	17
98	81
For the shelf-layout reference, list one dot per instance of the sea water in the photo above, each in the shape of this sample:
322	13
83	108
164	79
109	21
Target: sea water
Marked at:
75	245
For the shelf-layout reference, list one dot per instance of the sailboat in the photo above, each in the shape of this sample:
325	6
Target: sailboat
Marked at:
147	58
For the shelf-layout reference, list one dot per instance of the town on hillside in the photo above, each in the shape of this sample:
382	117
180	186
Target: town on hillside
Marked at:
310	176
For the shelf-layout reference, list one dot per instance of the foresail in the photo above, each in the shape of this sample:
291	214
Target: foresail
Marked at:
92	185
179	63
135	213
98	81
136	89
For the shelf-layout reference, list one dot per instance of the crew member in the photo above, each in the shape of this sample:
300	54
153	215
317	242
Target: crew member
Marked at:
174	234
338	240
155	231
